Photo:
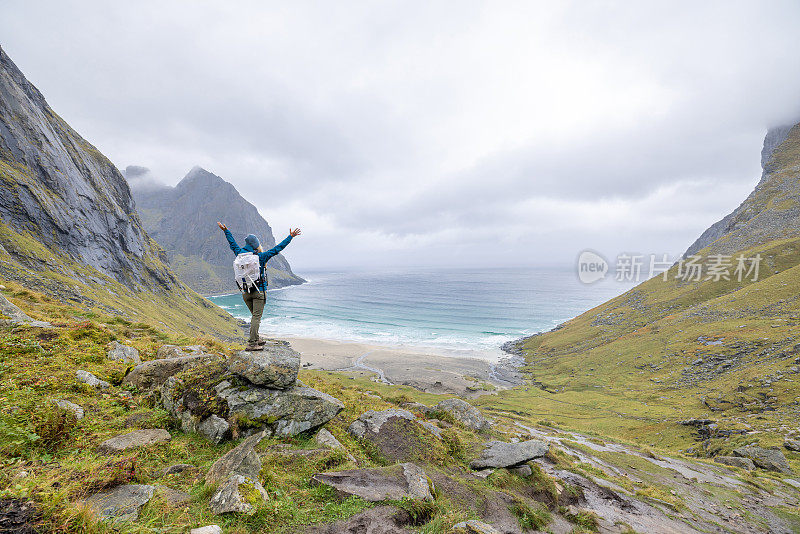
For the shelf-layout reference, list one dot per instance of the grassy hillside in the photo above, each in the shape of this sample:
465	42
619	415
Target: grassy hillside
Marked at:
672	350
174	308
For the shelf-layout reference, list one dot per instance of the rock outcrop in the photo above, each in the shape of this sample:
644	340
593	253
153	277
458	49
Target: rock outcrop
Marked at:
397	434
123	353
401	481
121	503
769	459
772	211
502	454
183	220
218	402
275	367
90	380
238	494
152	374
464	413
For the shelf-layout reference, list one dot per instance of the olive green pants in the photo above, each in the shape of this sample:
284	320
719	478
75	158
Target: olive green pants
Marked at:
255	301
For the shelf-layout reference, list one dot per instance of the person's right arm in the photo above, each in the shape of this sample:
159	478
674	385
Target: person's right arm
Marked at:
231	241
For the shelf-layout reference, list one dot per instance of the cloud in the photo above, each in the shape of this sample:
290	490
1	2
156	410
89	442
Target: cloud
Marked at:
417	132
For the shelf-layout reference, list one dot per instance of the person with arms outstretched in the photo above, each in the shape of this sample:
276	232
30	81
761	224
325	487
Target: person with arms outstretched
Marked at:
254	288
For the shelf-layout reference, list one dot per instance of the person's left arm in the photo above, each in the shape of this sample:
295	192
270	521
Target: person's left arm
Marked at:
274	251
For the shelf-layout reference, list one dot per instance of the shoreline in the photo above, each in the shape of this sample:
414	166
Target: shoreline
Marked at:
415	367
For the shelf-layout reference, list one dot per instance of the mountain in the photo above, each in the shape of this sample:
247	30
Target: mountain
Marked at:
183	220
772	210
722	354
68	222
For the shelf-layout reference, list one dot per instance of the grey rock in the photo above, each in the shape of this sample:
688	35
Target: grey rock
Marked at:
152	374
325	439
241	460
183	220
473	527
121	503
88	378
16	315
238	494
70	407
768	459
134	440
464	413
283	413
736	461
401	481
792	445
215	428
372	421
122	353
176	469
275	366
397	434
209	529
502	454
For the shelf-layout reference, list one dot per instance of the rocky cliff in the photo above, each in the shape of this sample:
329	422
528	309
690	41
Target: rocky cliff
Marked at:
183	220
68	222
772	210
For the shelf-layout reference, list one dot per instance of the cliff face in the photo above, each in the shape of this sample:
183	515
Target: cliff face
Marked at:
68	224
183	220
59	188
772	211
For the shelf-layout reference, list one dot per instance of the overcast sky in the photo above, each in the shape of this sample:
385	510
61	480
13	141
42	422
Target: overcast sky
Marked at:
432	133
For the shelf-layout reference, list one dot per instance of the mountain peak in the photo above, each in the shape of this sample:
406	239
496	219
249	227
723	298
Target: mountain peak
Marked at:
198	176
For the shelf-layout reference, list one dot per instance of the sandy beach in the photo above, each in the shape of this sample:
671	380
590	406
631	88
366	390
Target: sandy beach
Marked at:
423	370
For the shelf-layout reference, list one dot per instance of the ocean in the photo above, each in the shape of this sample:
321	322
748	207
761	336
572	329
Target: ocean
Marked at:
458	312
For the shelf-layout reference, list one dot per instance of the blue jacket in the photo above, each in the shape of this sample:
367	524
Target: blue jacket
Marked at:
263	257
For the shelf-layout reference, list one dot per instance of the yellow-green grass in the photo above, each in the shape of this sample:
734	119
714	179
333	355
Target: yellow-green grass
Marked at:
38	365
616	370
177	308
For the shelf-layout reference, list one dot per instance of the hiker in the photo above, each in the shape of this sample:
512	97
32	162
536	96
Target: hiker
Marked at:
254	288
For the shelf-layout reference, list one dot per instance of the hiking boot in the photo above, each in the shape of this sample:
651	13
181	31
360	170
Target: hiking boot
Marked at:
253	346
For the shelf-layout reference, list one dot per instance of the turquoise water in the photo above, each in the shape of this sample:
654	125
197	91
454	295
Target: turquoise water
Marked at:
459	312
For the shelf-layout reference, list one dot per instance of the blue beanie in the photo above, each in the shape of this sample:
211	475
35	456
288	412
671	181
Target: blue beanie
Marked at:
252	241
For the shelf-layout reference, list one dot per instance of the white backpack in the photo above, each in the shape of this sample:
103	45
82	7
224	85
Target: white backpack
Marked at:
246	270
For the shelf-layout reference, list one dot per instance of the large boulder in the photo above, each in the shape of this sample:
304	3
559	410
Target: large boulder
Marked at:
121	503
401	481
502	454
464	413
769	459
239	494
275	366
152	374
240	460
133	440
122	353
197	394
396	434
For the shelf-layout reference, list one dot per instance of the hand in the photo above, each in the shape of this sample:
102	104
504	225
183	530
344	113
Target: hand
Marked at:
221	226
295	232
